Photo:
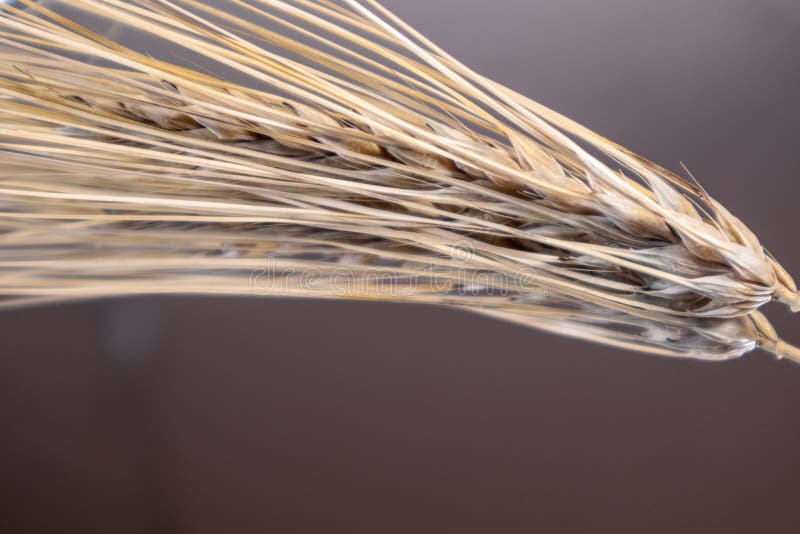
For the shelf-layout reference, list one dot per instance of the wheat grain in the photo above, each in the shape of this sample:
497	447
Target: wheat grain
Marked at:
142	176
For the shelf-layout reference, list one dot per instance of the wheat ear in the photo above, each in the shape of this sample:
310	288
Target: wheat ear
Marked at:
125	174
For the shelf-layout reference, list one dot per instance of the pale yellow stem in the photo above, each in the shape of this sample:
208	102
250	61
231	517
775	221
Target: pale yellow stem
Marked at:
790	298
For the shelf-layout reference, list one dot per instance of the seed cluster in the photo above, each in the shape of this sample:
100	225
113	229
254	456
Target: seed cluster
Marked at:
369	155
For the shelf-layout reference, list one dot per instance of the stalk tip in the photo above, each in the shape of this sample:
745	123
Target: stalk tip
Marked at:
768	339
785	350
790	298
780	349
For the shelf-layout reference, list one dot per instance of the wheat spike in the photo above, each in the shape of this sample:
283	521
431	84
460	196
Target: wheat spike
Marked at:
411	178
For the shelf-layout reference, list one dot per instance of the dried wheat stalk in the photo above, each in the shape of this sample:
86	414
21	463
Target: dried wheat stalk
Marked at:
358	151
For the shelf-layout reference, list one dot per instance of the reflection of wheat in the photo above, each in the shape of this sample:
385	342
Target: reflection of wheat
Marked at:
374	149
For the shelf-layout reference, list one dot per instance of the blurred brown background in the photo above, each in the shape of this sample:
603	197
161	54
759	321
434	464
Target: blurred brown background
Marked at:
179	415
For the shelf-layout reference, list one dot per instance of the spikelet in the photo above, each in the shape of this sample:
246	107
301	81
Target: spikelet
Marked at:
357	151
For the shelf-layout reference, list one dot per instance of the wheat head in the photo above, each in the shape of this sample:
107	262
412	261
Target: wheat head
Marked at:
353	143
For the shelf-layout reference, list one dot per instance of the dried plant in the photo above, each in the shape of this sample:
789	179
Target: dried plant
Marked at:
350	145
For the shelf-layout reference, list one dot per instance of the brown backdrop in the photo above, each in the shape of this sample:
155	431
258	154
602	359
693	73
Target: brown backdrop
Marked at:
203	415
